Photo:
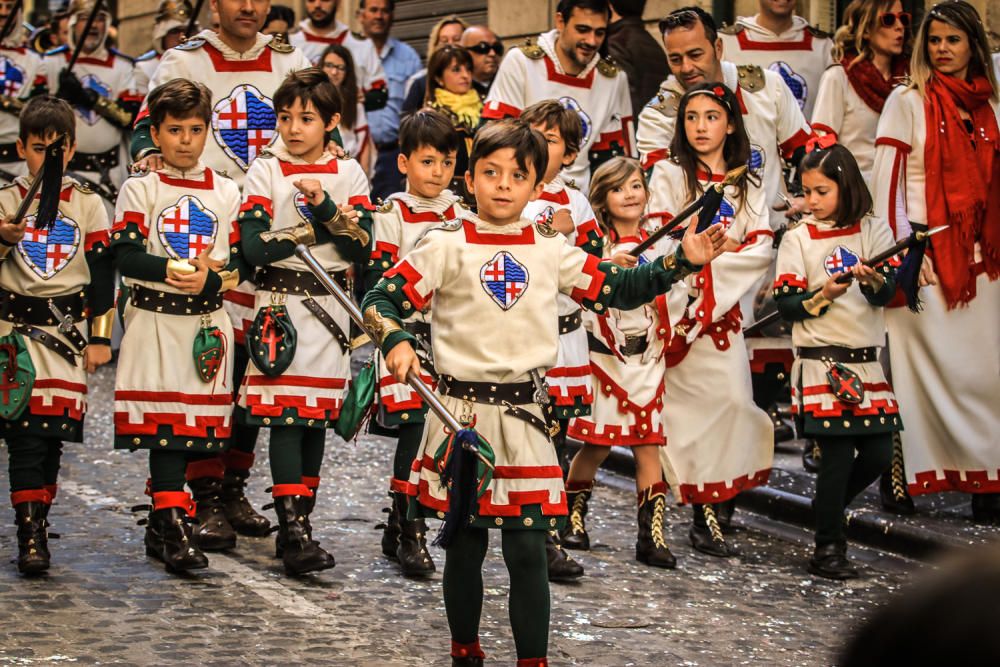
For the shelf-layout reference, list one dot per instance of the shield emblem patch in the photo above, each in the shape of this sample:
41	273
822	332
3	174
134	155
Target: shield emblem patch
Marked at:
11	76
794	81
725	214
186	228
845	384
91	82
756	162
300	205
585	121
504	279
840	260
244	124
48	251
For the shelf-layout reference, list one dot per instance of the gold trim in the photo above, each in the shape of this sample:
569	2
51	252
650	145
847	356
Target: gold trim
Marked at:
302	233
180	267
341	225
100	326
112	112
379	326
230	279
814	304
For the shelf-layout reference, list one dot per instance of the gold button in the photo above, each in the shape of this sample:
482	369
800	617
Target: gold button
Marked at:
189	443
498	521
642	413
826	424
405	416
528	521
267	421
310	422
847	424
606	289
289	420
136	441
598	307
163	443
391	287
440	515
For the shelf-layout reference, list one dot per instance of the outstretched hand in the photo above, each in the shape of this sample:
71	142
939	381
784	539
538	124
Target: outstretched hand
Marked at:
700	249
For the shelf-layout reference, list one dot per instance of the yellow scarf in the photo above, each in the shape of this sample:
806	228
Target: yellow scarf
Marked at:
466	107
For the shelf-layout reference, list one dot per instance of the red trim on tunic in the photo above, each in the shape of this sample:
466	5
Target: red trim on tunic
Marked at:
976	481
603	142
739	98
583	229
207	184
833	232
495	110
753	237
412	277
525	237
402	486
100	237
409	215
634	435
295	381
748	44
240	298
566	79
823	128
234	234
561	197
653	157
88	60
324	408
797	140
289	169
895	143
319	39
517	498
387	248
591	267
790	279
173	397
361	200
132	218
257	200
716	492
220	64
151	421
65	385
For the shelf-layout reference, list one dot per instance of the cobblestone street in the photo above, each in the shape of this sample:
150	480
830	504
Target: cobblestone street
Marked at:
105	602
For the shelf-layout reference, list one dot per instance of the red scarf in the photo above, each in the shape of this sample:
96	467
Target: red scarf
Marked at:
868	82
963	187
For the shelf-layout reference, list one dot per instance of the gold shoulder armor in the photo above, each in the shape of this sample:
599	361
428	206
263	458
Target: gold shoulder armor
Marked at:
280	46
357	35
731	29
751	78
83	187
666	102
533	51
607	67
817	32
545	230
385	206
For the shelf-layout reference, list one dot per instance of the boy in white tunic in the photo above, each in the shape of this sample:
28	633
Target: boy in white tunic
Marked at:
495	279
22	77
174	239
53	280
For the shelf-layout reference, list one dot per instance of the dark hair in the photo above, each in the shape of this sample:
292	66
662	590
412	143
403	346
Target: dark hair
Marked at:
686	17
180	98
427	128
735	150
565	7
280	13
854	201
349	88
549	113
309	85
441	60
528	144
628	7
961	16
46	115
390	4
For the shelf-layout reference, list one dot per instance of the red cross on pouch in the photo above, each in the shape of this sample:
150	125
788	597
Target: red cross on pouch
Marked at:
11	87
212	365
175	220
269	336
847	387
495	272
9	385
233	116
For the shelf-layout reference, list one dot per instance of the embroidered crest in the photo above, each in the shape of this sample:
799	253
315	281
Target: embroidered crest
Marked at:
244	124
544	216
795	82
840	260
588	125
187	228
757	161
725	215
48	251
191	44
504	279
91	82
300	205
11	77
845	384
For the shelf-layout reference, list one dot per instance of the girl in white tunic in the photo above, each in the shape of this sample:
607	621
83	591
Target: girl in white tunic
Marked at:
625	349
719	442
936	165
840	395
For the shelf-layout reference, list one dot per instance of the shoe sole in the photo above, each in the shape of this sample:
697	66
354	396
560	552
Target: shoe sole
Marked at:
662	566
210	545
830	575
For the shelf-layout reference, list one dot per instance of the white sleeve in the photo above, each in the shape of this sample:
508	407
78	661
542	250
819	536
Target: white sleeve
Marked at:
507	95
893	142
828	112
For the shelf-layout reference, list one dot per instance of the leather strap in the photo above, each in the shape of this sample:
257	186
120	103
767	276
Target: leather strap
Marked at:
837	354
326	319
549	429
8	153
633	345
34	310
568	323
97	162
290	281
50	341
171	303
490	393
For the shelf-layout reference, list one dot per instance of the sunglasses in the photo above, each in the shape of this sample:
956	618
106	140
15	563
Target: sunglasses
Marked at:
682	18
888	19
482	48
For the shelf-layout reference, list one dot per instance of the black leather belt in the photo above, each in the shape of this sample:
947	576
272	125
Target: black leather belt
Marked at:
835	353
50	341
35	310
419	329
633	345
326	319
8	153
516	393
291	281
171	303
98	162
569	323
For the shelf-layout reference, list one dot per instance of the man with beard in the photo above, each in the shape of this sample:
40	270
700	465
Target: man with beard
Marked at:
171	21
21	77
778	40
565	65
242	68
321	28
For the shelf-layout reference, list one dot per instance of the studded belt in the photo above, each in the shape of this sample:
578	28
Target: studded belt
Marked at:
419	329
171	303
568	323
633	345
36	311
99	162
291	281
516	393
835	353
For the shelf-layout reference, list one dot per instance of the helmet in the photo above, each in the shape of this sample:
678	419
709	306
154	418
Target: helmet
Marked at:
170	15
79	11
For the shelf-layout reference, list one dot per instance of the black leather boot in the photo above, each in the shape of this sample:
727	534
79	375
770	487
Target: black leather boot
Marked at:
782	431
894	497
810	456
301	553
706	534
830	561
308	504
650	546
241	515
986	508
574	535
414	559
32	539
213	532
390	531
466	662
169	539
562	567
724	511
466	655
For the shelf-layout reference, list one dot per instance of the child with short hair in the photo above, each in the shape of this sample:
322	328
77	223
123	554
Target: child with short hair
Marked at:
840	394
428	145
299	192
176	245
57	296
495	278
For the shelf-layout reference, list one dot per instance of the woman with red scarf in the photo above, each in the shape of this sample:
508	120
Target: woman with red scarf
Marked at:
873	51
936	165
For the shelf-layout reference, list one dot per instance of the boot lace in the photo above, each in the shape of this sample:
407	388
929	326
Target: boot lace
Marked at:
576	516
659	507
713	524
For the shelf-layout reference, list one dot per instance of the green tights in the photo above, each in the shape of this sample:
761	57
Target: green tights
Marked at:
296	452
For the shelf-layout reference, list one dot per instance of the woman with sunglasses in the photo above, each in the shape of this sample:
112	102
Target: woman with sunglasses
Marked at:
338	65
873	53
936	165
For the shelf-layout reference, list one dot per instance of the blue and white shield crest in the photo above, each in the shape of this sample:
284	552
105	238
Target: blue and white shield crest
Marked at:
91	82
544	216
187	228
795	82
300	205
48	251
504	279
840	260
244	124
588	125
11	76
757	161
725	215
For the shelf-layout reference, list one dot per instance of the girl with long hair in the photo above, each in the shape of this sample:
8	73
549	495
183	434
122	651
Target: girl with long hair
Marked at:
936	166
873	53
338	64
719	442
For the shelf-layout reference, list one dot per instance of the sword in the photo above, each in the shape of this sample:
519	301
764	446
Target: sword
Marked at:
412	377
65	321
194	19
86	31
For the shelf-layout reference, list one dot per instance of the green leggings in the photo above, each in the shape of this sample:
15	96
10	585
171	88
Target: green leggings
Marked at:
296	451
528	602
410	436
32	461
244	438
167	469
842	476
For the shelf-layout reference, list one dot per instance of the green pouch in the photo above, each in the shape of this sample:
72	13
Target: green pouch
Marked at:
17	376
845	384
271	340
484	472
358	403
209	350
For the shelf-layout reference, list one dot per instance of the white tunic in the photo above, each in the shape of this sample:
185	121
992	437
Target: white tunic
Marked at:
945	363
799	55
840	111
20	72
367	64
599	94
357	137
